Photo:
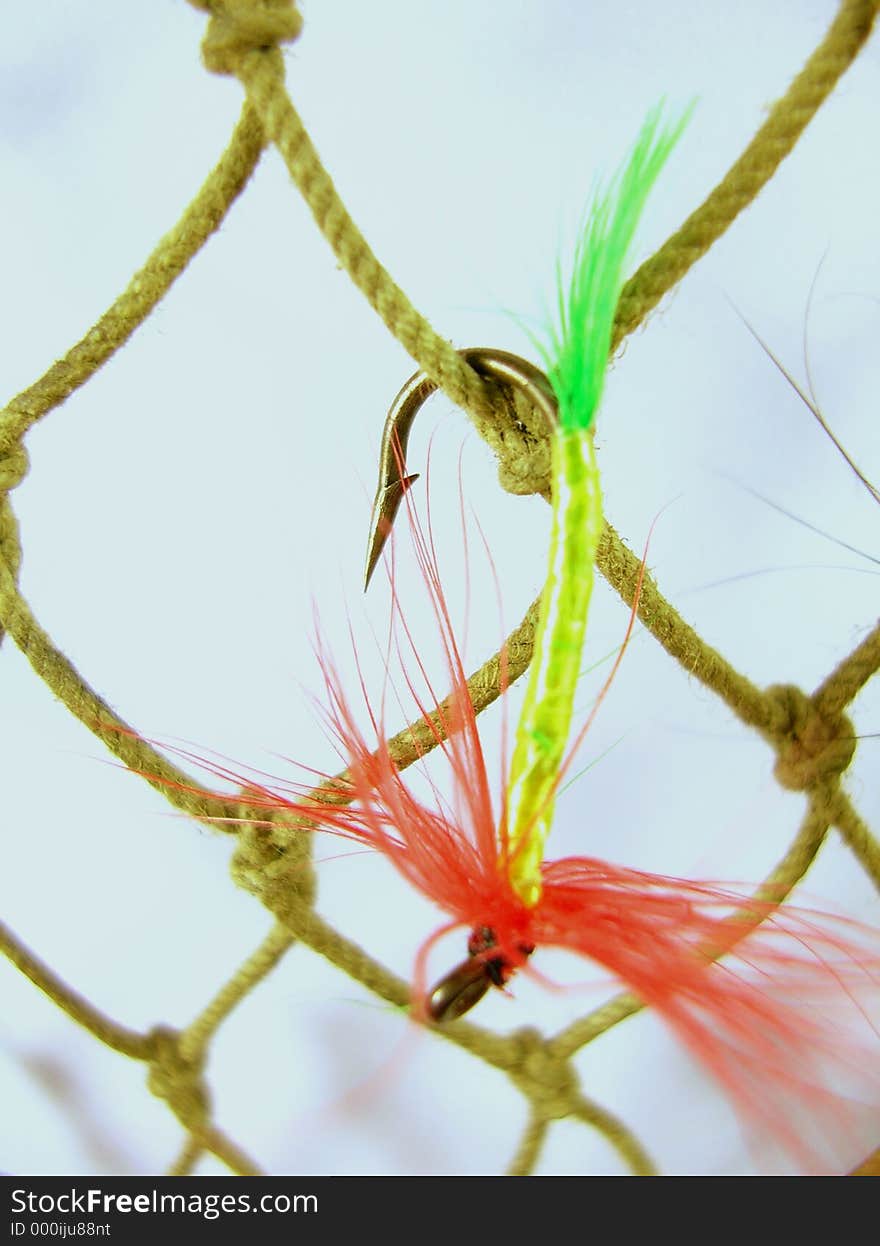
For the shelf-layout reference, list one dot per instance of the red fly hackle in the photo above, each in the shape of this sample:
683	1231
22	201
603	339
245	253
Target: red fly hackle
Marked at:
774	1020
449	852
754	1019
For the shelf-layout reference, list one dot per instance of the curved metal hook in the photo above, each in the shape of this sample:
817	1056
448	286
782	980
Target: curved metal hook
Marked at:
466	984
495	365
458	992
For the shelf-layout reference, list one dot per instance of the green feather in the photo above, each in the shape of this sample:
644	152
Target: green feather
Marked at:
576	354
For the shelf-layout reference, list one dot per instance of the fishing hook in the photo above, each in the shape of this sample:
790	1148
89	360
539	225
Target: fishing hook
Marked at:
464	986
495	365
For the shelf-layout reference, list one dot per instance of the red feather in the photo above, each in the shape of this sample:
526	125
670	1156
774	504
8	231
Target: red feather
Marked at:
753	1018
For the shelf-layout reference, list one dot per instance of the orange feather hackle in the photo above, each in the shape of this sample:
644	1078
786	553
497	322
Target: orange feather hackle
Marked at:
760	992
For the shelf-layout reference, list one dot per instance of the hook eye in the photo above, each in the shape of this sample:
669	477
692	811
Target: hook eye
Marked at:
496	365
459	991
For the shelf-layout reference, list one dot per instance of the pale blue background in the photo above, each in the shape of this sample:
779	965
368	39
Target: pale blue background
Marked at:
187	506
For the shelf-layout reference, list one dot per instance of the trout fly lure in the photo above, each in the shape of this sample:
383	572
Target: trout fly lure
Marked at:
741	981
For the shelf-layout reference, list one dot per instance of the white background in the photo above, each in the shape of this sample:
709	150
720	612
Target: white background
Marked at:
188	505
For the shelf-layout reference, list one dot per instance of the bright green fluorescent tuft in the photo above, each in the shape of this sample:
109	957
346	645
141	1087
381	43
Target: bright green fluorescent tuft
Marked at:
576	355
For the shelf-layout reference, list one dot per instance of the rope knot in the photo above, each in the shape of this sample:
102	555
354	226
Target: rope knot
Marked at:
274	864
550	1083
524	467
810	746
519	437
238	27
176	1079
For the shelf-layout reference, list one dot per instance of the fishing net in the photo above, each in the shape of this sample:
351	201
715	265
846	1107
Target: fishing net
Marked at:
809	729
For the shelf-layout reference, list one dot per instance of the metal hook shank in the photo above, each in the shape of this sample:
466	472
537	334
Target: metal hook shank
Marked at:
495	365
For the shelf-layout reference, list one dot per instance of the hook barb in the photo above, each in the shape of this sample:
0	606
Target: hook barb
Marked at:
496	365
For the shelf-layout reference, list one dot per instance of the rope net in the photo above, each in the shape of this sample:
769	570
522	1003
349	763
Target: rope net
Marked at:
809	729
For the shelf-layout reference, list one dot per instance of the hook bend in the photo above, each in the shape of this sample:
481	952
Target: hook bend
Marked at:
496	365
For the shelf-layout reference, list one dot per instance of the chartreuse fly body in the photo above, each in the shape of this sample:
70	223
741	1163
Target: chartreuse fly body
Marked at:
576	358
